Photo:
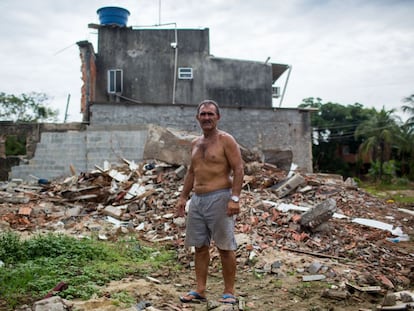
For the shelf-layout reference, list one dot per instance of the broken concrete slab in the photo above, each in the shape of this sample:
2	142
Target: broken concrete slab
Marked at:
288	186
336	294
54	303
169	145
318	215
313	277
280	158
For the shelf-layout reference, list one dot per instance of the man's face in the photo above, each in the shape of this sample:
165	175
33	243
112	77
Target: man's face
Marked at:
207	117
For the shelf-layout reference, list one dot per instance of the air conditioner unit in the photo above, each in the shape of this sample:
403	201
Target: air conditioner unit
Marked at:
185	73
275	91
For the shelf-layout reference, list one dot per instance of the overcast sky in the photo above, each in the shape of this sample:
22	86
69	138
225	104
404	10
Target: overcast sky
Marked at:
341	51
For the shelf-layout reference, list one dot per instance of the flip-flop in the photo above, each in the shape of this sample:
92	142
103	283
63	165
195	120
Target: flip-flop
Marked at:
196	297
228	298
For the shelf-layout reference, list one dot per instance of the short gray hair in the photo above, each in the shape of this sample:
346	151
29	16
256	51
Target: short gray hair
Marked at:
208	102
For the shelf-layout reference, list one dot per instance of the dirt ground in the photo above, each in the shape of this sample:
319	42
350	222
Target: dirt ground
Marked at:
274	279
282	290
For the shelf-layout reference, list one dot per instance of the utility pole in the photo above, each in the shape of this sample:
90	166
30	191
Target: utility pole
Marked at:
67	106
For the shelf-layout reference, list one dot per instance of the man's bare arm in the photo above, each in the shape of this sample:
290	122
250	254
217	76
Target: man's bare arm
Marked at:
188	186
234	158
188	183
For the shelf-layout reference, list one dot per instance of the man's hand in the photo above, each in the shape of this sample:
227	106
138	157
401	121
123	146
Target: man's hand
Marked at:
233	208
180	207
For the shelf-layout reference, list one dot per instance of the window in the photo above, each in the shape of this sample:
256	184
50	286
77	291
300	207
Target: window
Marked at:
115	81
185	73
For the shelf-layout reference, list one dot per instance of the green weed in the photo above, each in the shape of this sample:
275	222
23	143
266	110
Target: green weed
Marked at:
35	266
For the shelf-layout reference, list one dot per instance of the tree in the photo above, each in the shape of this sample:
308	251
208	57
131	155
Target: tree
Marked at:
405	139
405	149
378	135
30	107
333	128
409	108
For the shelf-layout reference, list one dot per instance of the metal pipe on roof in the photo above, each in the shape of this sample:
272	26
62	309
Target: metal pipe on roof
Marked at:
284	88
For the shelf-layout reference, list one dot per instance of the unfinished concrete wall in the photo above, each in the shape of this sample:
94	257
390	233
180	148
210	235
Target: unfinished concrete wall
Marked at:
58	153
259	129
119	131
32	133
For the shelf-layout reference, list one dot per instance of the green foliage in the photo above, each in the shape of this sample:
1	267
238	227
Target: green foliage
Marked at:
404	149
36	265
409	108
383	171
123	298
399	190
345	137
333	128
11	249
379	134
30	107
15	145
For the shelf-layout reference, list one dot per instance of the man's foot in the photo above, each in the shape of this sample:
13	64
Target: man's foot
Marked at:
192	296
228	298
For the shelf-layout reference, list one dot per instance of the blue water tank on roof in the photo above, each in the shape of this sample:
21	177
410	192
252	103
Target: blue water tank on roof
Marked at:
110	15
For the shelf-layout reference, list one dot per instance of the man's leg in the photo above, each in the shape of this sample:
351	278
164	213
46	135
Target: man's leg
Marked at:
202	261
228	262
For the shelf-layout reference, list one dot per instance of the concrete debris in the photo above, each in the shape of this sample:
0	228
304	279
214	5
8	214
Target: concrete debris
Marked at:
316	277
54	303
170	145
288	185
318	215
336	294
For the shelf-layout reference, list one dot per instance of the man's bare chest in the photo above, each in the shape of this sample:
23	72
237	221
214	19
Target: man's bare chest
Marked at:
208	152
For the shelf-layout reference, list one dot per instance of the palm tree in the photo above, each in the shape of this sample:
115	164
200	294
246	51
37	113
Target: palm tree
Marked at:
405	149
410	109
377	134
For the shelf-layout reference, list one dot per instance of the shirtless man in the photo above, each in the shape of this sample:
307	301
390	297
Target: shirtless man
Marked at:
215	176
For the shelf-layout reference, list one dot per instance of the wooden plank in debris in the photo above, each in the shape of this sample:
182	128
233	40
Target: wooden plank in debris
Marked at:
67	193
314	254
83	197
365	289
139	197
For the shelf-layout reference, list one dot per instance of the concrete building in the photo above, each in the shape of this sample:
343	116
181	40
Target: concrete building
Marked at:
141	77
170	66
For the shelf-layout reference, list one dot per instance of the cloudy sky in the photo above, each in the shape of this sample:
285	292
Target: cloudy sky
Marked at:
342	51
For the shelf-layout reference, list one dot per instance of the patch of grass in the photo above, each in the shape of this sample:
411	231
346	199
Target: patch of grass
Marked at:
396	191
305	290
35	266
277	283
123	298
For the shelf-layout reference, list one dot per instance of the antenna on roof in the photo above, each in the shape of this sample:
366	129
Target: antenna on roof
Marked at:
159	12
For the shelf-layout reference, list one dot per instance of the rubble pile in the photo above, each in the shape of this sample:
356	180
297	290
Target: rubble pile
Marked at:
315	214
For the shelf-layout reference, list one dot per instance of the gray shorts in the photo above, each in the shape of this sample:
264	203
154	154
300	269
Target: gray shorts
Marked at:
207	220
